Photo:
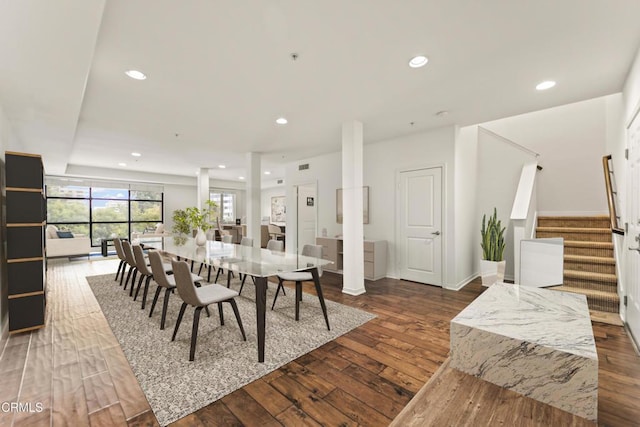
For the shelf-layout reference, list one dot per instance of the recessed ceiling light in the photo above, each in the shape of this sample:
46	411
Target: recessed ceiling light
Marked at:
222	166
418	61
267	173
135	74
547	84
241	177
134	154
122	164
281	121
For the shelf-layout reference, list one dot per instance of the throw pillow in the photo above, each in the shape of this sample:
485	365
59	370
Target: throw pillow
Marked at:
51	231
65	234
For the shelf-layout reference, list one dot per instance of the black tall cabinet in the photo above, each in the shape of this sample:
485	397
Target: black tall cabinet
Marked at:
25	218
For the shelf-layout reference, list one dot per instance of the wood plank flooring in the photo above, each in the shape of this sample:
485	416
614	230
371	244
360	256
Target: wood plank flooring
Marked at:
453	398
75	368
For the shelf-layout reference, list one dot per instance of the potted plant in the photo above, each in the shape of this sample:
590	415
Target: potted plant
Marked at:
492	265
198	221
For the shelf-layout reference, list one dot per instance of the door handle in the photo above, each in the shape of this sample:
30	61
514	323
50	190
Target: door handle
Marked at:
436	233
634	249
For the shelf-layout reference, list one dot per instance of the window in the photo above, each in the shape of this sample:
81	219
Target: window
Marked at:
103	212
226	205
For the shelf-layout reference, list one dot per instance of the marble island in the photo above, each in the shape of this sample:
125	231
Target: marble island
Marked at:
534	341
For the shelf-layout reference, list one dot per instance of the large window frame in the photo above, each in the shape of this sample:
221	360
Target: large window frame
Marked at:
131	223
227	200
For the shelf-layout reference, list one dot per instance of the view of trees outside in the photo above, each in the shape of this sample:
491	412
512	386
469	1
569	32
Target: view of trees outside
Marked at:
103	212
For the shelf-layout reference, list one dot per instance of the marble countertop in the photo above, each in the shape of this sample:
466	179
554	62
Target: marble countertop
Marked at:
554	319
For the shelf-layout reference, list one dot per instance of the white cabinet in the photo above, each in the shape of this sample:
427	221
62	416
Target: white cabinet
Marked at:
375	259
375	256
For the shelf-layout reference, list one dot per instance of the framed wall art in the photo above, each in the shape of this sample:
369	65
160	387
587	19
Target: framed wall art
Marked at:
365	205
278	209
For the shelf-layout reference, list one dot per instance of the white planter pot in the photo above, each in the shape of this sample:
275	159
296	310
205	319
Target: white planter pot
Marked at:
492	271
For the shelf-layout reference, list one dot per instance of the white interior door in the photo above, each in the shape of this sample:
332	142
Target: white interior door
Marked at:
307	202
419	249
633	234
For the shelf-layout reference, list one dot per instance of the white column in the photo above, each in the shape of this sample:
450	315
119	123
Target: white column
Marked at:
203	186
352	226
253	192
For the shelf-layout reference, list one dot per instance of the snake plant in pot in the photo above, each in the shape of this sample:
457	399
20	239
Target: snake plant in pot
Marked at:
492	265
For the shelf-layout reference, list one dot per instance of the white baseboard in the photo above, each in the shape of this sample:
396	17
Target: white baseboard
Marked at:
463	283
354	293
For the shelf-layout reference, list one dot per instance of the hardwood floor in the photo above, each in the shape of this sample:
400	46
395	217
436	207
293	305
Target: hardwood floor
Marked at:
75	368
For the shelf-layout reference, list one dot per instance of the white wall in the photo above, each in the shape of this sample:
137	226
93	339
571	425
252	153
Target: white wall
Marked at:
466	219
500	164
382	161
571	140
631	91
326	172
177	197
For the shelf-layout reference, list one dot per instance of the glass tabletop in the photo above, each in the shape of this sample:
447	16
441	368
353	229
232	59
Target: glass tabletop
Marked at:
243	259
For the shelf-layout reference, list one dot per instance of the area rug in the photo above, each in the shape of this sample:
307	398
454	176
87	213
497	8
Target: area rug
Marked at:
223	362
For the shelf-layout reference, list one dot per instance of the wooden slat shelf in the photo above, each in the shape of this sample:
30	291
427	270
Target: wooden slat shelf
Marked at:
9	261
26	190
28	294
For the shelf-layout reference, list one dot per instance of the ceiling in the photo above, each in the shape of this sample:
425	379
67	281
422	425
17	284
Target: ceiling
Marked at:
221	72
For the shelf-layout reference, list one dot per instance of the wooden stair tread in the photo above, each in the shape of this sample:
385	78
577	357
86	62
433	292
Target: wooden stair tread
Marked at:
585	244
588	292
590	259
570	218
587	275
573	230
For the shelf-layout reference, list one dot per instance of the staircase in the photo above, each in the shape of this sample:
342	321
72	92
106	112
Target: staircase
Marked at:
589	264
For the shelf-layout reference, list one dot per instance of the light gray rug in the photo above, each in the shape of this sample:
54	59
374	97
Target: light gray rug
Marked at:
223	362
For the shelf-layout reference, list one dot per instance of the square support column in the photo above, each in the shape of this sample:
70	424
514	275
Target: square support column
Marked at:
352	226
253	192
203	187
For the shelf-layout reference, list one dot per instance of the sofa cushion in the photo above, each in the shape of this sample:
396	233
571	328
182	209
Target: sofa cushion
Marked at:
64	234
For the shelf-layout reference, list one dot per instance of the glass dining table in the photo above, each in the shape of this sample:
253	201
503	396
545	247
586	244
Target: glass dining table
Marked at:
256	262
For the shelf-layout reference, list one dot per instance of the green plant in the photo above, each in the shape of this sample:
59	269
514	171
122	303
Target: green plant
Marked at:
191	218
197	218
211	209
180	222
492	238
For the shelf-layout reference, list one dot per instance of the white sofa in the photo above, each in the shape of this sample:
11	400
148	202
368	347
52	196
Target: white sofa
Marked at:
158	232
64	247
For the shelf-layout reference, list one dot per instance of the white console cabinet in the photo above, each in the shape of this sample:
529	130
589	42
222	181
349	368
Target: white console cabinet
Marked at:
375	256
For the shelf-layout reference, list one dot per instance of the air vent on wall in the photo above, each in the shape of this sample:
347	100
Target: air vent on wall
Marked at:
280	181
303	167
